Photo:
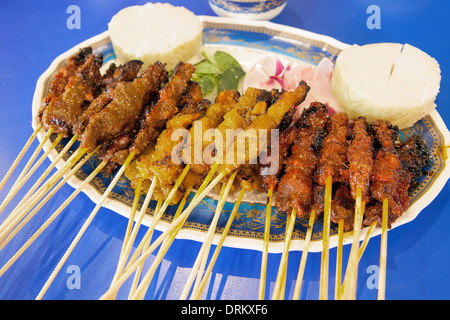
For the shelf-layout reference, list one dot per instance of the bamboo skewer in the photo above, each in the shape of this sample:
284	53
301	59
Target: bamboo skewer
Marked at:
301	269
148	235
219	246
143	286
323	292
20	156
363	245
177	222
265	252
25	169
338	281
25	218
127	245
203	254
277	291
20	182
352	268
49	169
383	252
134	206
138	272
24	207
85	226
44	226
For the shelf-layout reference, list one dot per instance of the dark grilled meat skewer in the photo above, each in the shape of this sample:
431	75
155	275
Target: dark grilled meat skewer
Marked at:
112	77
122	113
295	187
63	111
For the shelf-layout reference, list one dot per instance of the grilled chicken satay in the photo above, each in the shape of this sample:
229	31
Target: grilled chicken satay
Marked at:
266	121
62	111
295	187
225	101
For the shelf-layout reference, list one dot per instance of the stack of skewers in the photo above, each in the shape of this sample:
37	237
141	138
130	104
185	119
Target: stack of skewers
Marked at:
350	173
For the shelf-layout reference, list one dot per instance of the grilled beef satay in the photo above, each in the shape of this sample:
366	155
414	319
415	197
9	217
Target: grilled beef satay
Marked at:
332	159
63	75
120	116
360	159
110	79
63	111
360	163
387	166
413	156
295	186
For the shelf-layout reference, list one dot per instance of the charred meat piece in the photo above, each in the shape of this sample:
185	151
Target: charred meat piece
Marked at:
63	111
164	108
63	75
414	155
343	206
122	113
360	159
296	186
125	72
387	166
112	77
332	159
285	140
333	155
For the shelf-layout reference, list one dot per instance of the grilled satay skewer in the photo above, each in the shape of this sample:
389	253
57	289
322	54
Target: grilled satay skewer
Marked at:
360	155
294	192
269	120
126	99
252	104
248	178
385	180
287	135
225	101
159	161
74	84
331	164
111	78
31	198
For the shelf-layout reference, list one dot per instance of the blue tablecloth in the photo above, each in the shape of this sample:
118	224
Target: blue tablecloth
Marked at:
33	33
